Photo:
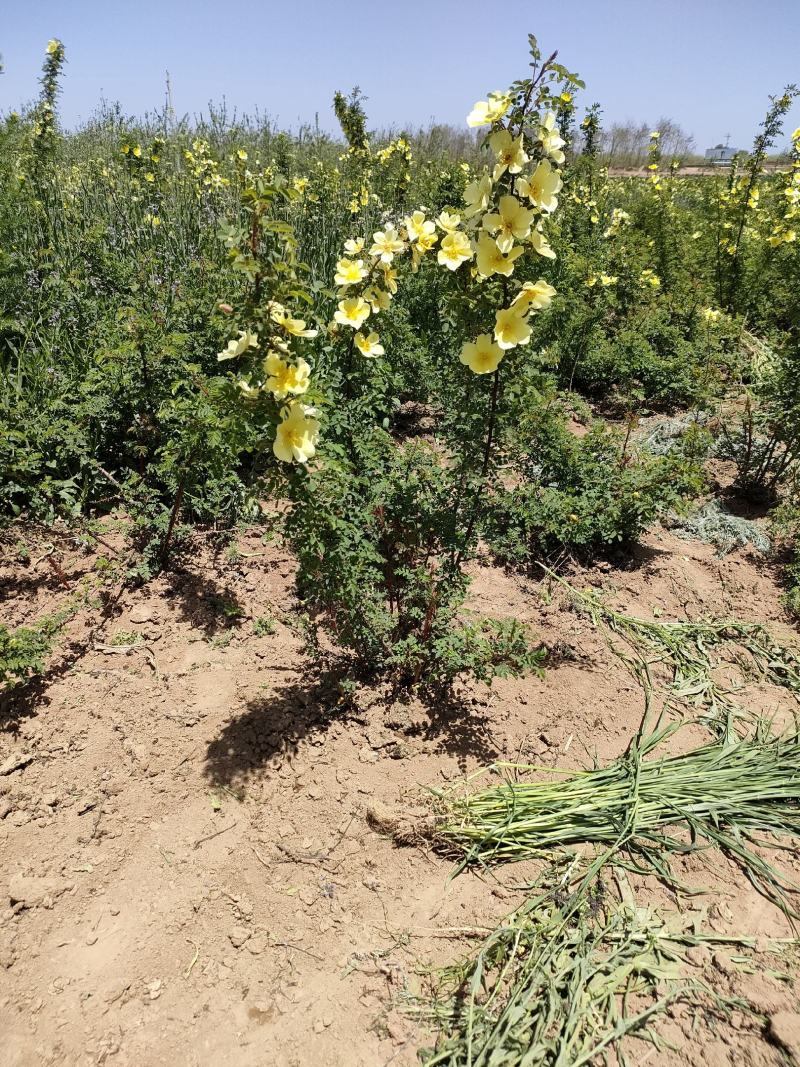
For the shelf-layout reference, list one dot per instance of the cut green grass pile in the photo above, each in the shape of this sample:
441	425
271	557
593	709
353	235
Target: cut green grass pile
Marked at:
723	794
576	969
560	982
692	652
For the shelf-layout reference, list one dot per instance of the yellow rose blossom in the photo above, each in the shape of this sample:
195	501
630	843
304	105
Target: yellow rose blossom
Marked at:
454	250
551	139
296	435
488	111
349	272
386	244
541	244
534	296
491	259
418	226
448	222
711	315
241	154
52	47
369	345
509	221
284	378
353	312
511	328
389	277
423	244
482	355
509	152
296	327
542	187
476	196
354	245
426	242
378	299
239	346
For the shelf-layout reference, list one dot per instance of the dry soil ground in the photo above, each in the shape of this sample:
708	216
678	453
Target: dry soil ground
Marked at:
195	866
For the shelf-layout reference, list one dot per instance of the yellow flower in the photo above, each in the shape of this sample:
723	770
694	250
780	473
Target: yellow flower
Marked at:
296	435
354	245
482	355
377	298
491	259
284	378
353	312
137	151
386	244
300	184
370	345
710	315
349	272
53	46
426	241
551	139
511	220
509	152
389	276
476	196
534	296
542	187
296	327
488	111
454	250
511	328
418	226
541	244
239	346
608	279
423	244
649	277
241	154
448	222
149	176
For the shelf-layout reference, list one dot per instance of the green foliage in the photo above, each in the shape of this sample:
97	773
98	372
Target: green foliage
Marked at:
587	495
352	118
376	564
23	650
22	653
130	251
764	441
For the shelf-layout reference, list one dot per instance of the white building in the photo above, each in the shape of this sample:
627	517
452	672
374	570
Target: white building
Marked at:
721	153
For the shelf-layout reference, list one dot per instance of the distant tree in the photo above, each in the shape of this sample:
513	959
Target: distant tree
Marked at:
624	144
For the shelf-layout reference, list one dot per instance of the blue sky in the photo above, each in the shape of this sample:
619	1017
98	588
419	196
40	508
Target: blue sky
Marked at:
709	64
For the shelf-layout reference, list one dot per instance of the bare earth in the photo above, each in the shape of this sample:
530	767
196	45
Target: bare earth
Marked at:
196	864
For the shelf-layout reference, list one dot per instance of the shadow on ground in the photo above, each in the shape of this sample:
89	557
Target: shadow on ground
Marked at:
274	725
201	600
